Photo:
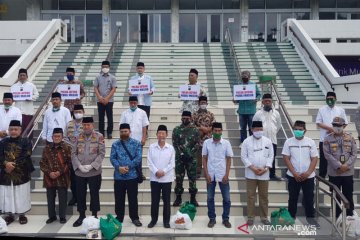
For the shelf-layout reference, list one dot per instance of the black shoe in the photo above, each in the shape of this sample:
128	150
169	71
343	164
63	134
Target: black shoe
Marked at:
119	219
275	178
227	224
313	222
78	222
62	220
109	136
72	202
151	224
137	223
211	223
177	201
50	220
166	225
193	200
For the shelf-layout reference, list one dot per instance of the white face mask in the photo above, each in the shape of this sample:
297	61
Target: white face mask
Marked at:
105	70
203	106
258	134
338	130
78	115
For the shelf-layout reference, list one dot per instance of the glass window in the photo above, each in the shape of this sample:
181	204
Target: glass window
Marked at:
79	28
301	3
342	16
187	28
134	28
256	27
202	27
187	4
93	28
118	4
116	17
72	5
232	21
271	27
348	3
162	4
302	15
327	3
256	4
278	4
208	4
93	4
141	4
215	28
231	4
326	15
355	16
165	27
50	5
46	16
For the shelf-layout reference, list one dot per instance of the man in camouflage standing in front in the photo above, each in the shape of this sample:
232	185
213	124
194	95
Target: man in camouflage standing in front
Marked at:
186	139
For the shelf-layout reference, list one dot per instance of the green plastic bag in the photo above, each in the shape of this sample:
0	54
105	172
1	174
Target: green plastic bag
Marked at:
110	227
189	209
282	217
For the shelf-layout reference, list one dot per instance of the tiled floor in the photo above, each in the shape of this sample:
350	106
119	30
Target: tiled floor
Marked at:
37	227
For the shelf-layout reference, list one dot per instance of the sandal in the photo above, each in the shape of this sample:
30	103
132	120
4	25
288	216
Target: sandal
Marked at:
9	219
23	219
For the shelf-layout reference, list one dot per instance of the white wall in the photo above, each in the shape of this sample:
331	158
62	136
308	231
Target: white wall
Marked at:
17	36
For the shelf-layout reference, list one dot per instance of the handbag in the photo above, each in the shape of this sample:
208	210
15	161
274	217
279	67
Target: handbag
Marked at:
110	227
138	168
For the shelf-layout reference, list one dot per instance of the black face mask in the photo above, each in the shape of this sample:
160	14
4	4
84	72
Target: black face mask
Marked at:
267	108
124	137
245	80
185	121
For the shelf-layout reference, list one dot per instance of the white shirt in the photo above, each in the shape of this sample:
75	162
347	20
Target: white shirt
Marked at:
259	153
161	159
27	107
6	116
53	120
271	123
326	115
216	153
137	120
300	152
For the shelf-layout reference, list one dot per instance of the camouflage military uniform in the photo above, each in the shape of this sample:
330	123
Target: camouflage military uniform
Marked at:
186	143
202	118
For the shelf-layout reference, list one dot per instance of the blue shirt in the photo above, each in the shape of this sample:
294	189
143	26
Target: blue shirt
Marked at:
119	158
147	97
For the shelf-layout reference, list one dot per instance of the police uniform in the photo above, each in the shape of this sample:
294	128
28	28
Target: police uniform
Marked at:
88	151
340	149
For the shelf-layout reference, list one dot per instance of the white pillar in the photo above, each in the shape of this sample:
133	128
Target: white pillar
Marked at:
106	21
244	13
175	21
314	6
33	10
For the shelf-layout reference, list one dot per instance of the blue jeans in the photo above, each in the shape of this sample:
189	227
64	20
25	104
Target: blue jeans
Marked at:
225	192
245	121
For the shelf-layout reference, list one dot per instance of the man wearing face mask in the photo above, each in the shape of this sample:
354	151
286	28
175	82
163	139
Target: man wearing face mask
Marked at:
341	152
126	156
247	108
7	113
87	156
323	120
301	156
105	86
193	105
186	139
73	129
257	155
271	121
145	100
203	120
217	154
56	116
70	79
26	106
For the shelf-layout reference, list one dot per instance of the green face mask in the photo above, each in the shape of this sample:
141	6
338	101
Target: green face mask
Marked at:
7	107
330	102
216	135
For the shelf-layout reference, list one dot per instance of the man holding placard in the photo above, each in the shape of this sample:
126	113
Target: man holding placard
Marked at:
77	89
8	113
142	86
191	92
25	93
246	94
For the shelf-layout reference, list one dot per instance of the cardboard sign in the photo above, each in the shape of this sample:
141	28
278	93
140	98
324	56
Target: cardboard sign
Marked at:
69	91
139	86
189	92
22	93
245	92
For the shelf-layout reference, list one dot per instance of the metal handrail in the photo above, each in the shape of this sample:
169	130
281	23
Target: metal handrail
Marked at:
334	193
39	113
233	53
112	48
